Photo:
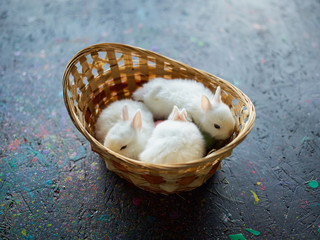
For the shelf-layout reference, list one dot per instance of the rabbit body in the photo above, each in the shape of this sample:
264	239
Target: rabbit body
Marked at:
205	109
124	127
174	141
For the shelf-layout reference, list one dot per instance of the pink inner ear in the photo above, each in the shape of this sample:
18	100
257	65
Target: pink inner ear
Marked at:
137	121
184	116
176	114
205	103
125	113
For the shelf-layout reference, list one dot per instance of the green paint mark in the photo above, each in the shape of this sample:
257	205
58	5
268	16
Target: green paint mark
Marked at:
237	237
305	139
12	164
49	225
319	230
254	232
24	232
193	39
313	184
200	44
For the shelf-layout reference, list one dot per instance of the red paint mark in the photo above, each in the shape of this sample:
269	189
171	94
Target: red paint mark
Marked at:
136	201
308	100
241	194
263	61
253	172
34	159
303	203
14	145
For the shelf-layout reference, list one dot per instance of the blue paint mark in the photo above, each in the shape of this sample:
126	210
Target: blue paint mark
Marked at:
31	194
46	152
104	218
29	237
48	182
1	212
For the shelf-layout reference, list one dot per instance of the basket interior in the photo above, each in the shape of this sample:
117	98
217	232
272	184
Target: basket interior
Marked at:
100	75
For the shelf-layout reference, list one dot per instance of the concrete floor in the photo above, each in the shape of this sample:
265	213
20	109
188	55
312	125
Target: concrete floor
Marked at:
52	186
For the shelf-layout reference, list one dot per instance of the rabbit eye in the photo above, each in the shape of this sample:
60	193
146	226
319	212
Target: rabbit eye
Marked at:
217	126
123	147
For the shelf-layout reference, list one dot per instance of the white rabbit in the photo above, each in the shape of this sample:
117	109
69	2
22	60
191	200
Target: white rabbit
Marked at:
205	109
175	140
122	134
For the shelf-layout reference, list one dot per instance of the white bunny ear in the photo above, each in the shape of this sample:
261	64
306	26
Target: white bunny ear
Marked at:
205	103
125	113
184	115
137	120
176	113
217	95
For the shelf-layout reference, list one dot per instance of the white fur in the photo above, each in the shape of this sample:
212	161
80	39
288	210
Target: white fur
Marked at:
174	141
116	128
205	109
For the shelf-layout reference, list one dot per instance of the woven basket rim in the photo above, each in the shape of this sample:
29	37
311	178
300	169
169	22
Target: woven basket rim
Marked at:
168	167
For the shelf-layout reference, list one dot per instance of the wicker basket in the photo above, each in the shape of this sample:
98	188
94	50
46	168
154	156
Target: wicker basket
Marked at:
107	72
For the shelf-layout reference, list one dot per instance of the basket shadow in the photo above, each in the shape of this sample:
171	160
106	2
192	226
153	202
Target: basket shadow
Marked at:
154	216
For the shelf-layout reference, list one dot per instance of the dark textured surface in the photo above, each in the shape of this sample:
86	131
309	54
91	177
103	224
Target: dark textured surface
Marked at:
53	187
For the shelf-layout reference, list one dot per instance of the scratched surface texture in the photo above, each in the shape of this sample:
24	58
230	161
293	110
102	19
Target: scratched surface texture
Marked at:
52	186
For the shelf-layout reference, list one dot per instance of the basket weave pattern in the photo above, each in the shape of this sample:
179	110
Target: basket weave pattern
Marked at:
107	72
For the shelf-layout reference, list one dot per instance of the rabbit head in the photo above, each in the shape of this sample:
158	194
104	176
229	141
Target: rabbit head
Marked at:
217	119
124	136
176	140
